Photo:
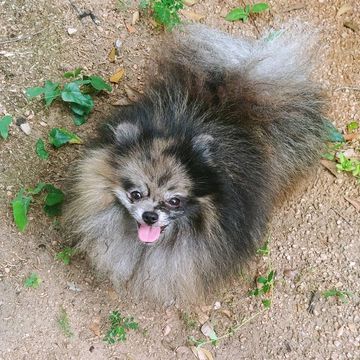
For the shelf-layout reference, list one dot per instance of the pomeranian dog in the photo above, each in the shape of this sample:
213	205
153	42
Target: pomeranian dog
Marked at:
178	190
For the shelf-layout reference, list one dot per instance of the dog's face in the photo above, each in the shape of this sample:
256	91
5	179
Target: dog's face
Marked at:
153	184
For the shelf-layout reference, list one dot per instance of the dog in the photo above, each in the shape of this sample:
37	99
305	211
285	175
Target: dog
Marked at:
177	192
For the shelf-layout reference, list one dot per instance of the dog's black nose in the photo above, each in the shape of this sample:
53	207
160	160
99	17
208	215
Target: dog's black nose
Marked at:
150	217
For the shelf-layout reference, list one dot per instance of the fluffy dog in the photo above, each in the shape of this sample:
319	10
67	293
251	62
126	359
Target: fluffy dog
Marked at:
178	190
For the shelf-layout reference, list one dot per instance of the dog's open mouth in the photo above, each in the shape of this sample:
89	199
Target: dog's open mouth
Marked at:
149	234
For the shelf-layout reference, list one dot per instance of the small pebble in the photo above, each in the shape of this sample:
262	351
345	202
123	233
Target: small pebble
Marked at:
25	127
71	31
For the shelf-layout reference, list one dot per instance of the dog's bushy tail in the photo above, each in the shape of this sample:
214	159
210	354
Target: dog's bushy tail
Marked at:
265	82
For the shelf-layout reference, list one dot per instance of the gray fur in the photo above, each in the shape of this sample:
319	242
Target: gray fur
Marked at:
265	85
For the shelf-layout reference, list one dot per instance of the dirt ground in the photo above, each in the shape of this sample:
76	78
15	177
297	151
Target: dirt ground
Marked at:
314	236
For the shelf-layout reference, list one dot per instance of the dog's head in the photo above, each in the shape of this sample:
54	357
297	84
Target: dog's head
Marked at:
161	179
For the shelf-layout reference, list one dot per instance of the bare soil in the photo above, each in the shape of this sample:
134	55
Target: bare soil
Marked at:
314	237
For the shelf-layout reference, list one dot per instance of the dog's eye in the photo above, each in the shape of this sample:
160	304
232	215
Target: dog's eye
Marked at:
174	202
135	195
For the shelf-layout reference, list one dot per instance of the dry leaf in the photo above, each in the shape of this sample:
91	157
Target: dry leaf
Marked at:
166	330
352	137
354	203
226	312
191	15
190	2
112	55
131	93
201	353
130	28
330	166
298	6
135	17
117	76
95	326
344	9
352	26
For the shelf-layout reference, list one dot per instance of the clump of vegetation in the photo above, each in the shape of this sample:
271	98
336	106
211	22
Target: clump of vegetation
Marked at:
349	165
76	93
164	12
244	13
52	203
5	122
343	295
32	281
64	323
266	284
119	327
65	255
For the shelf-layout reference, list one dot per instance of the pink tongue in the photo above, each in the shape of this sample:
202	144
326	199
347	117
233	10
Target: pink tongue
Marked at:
148	233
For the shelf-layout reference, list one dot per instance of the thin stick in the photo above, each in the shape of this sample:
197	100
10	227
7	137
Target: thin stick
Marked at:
21	37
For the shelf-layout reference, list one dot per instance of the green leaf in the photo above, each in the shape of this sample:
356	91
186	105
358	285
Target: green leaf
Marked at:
54	195
32	281
247	9
53	200
20	207
266	303
5	122
258	8
34	91
51	92
351	127
328	156
59	137
71	93
40	149
236	14
262	280
99	84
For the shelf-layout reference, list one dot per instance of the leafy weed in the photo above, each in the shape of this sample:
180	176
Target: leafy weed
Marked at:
119	327
164	12
243	14
76	93
32	281
64	323
65	255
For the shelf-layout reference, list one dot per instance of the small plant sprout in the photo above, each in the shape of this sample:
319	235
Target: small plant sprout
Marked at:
64	323
164	12
264	250
343	295
265	287
243	14
65	255
349	165
32	281
76	93
119	327
353	126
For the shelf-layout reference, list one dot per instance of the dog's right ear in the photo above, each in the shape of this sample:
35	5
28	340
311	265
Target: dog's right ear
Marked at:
125	132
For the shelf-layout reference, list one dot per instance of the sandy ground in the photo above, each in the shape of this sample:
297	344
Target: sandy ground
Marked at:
314	237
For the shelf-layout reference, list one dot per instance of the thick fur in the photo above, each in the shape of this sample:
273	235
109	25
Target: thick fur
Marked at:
227	123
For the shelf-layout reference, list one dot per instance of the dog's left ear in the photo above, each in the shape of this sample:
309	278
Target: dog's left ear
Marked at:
204	144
